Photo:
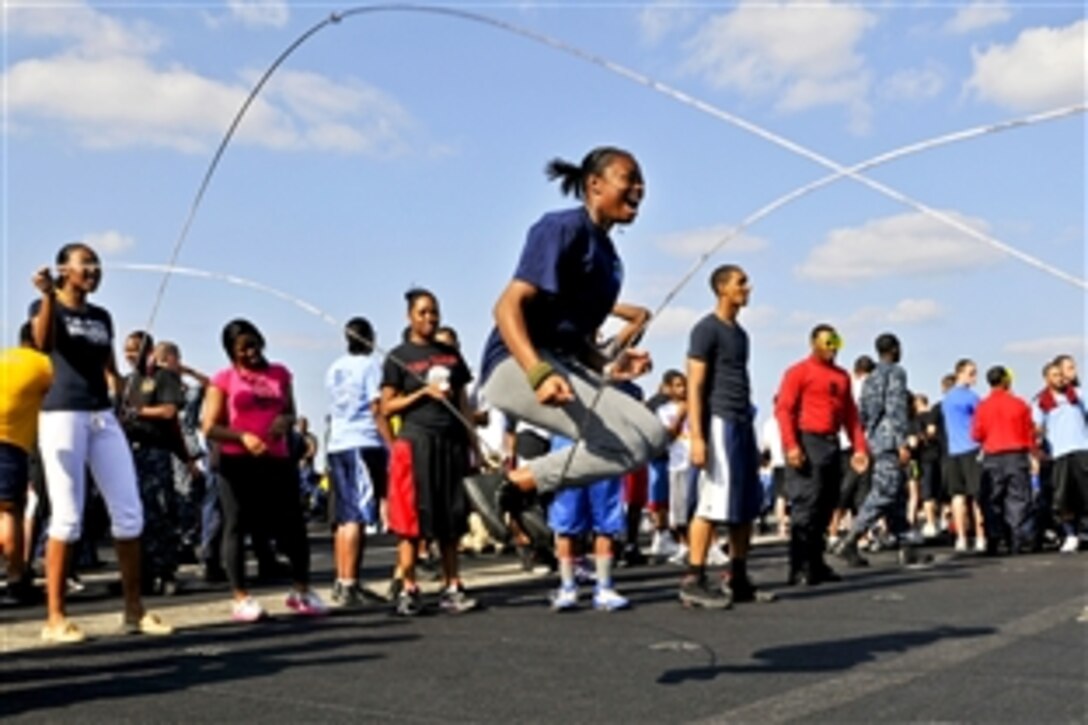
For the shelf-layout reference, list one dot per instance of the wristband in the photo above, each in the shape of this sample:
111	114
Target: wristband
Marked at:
538	373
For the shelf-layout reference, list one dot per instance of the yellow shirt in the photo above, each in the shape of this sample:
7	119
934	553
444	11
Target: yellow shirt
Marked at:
25	376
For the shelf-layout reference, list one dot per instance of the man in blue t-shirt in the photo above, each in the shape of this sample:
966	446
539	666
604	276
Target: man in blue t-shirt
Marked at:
962	473
357	459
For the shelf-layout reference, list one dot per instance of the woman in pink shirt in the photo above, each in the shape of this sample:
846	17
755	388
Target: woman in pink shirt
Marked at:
249	410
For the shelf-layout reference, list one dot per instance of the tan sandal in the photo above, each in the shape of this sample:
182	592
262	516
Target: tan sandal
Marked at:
67	632
149	624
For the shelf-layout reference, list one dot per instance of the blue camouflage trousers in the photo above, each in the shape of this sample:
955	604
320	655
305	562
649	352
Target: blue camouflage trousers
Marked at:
159	541
887	496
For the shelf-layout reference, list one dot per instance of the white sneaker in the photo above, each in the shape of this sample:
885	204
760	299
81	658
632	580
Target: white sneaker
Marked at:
980	546
609	600
961	544
564	600
663	545
929	531
247	610
656	543
1070	545
680	558
715	556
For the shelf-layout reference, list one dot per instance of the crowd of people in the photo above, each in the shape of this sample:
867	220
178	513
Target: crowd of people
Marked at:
551	448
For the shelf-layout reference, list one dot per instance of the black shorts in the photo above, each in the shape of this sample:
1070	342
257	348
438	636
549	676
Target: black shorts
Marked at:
855	486
963	474
14	475
1070	478
427	498
778	482
929	478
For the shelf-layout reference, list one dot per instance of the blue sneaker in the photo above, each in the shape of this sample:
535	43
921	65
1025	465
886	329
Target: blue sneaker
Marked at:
564	600
609	600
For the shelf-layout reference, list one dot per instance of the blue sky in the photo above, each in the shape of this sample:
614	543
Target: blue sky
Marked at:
400	149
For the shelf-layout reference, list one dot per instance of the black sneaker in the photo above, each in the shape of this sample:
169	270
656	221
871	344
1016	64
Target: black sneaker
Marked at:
696	593
824	573
345	595
909	556
848	552
396	586
486	494
633	556
409	603
743	590
534	521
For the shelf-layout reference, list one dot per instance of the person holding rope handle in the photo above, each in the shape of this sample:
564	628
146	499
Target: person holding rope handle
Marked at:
78	429
541	363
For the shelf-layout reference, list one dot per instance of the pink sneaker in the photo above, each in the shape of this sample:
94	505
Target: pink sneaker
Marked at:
307	603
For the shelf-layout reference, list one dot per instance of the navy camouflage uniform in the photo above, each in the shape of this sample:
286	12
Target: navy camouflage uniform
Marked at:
154	444
885	415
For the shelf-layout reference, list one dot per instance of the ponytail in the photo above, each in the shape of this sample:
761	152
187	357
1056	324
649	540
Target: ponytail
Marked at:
572	178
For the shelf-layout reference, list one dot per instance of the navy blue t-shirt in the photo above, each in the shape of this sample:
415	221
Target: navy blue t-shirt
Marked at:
724	349
82	344
575	268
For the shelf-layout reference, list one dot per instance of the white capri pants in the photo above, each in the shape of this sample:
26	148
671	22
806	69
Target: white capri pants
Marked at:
70	441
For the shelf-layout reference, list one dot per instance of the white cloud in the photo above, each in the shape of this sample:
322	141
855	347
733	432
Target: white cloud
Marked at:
1042	68
114	94
913	84
912	311
109	242
695	242
258	13
675	321
908	311
1049	346
803	54
979	14
900	245
658	19
94	33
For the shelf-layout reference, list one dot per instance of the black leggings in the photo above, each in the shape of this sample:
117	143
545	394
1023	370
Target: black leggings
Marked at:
260	497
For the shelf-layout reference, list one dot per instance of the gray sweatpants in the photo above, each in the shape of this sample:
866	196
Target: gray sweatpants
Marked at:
618	436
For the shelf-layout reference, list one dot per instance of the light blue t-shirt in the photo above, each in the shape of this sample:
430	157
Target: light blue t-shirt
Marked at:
1065	424
353	383
958	408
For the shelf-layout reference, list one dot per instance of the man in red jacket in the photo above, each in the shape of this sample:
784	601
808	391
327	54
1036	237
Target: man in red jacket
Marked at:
814	403
1004	429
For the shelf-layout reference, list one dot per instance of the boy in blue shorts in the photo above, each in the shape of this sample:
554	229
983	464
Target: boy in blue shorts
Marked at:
574	513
